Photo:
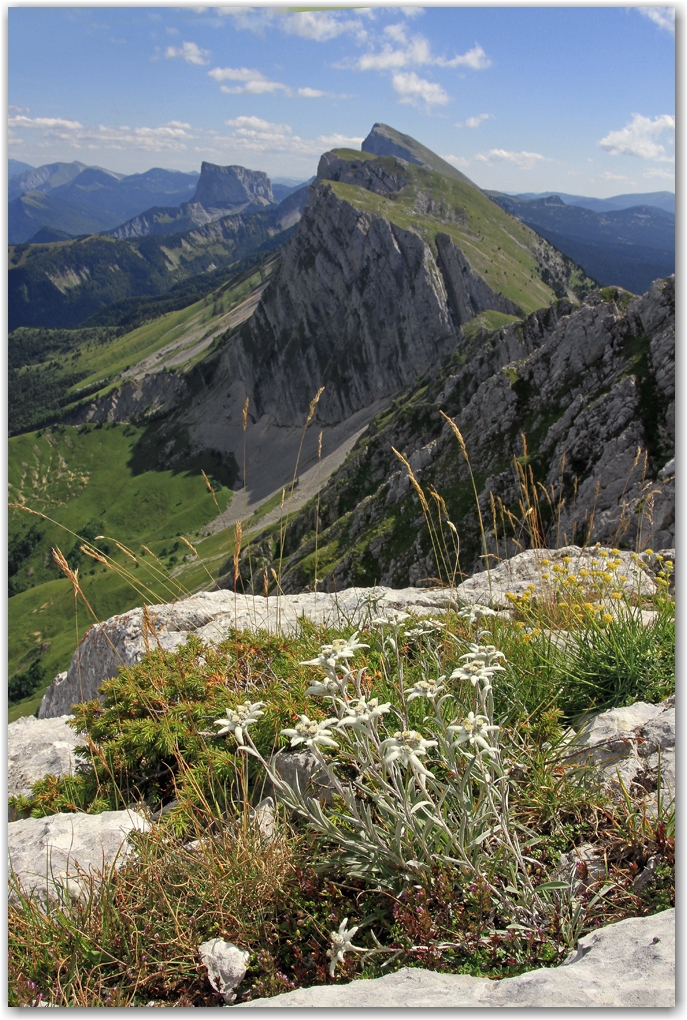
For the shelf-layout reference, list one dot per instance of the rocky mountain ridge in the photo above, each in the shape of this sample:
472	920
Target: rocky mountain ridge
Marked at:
221	191
591	390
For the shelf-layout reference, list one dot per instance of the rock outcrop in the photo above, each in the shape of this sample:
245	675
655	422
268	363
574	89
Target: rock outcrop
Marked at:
468	293
212	616
37	748
592	390
624	965
632	747
53	857
231	187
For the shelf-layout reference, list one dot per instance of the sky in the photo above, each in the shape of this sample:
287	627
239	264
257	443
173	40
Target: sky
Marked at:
579	100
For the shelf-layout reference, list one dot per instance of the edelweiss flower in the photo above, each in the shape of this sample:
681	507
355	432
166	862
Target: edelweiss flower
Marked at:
240	718
391	618
486	654
362	714
472	613
426	689
342	943
475	671
326	662
324	688
311	733
405	746
474	729
343	648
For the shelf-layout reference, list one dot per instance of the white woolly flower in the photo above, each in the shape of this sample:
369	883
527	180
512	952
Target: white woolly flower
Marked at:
392	618
426	689
342	942
343	648
471	614
474	730
324	688
309	732
238	719
425	627
474	672
488	655
362	714
405	746
325	661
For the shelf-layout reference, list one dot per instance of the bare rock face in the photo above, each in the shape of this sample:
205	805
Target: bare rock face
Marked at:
37	748
363	173
627	964
468	293
52	856
231	187
358	305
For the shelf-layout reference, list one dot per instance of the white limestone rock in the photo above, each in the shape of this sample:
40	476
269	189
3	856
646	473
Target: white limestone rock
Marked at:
37	748
625	743
124	640
226	965
625	965
52	856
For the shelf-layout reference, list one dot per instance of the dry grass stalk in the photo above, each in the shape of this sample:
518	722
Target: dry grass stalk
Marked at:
461	442
209	487
238	532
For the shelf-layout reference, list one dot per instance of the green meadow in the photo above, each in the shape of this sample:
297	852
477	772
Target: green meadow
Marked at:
82	478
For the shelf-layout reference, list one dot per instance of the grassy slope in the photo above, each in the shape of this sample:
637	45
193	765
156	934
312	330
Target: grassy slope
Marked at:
81	476
498	246
63	283
98	366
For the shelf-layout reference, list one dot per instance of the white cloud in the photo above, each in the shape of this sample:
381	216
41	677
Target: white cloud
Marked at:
523	160
255	83
475	58
416	52
175	135
319	26
608	176
189	52
414	90
474	122
457	160
664	175
664	17
311	93
340	141
21	121
638	138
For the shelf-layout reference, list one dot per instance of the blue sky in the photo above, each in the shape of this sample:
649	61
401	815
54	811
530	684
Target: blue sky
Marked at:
577	99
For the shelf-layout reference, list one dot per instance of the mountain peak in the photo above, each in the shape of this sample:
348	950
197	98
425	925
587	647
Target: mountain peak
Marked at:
387	141
223	187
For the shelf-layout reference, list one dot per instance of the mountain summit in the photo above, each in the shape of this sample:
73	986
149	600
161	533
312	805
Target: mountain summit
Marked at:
227	187
387	141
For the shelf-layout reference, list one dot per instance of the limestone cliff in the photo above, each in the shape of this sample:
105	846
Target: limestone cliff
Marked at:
592	390
225	187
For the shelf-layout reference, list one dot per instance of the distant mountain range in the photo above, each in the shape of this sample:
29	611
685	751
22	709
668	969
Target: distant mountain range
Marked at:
62	200
78	199
659	199
629	246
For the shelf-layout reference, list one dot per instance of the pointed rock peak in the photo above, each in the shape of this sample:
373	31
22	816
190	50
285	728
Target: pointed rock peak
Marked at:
387	141
223	187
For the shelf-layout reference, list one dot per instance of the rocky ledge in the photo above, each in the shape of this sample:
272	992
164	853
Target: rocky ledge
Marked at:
124	640
628	964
